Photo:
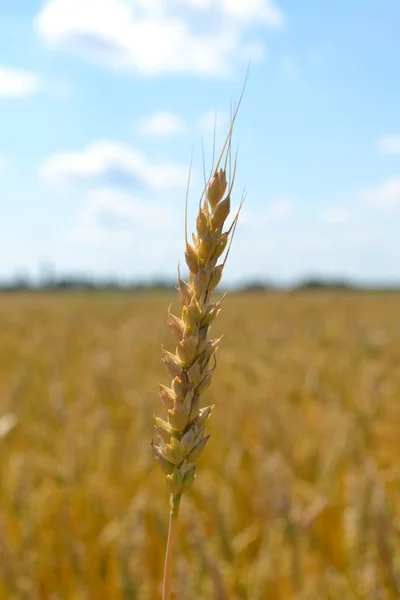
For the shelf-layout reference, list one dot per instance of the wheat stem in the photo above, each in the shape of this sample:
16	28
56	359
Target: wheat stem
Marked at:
169	555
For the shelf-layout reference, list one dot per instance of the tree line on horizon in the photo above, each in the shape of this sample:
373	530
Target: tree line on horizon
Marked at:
20	283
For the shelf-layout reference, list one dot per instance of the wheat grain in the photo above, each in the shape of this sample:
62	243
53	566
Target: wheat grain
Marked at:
181	438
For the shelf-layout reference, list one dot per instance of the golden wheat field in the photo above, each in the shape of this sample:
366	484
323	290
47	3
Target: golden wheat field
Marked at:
297	494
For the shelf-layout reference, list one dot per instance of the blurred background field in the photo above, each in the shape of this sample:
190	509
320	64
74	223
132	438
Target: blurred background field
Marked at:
297	495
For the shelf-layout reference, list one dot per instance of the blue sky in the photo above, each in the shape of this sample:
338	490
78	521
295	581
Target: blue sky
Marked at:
102	101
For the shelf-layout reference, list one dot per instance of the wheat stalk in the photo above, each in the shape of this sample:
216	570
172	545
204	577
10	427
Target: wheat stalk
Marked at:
181	438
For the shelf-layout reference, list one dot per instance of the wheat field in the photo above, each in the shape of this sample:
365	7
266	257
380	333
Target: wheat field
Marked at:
298	493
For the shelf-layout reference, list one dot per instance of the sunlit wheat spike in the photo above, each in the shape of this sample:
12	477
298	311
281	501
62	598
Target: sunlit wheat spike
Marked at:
181	439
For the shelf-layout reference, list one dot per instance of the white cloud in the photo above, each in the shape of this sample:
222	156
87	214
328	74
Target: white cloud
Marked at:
17	83
199	4
297	247
112	163
120	234
337	215
158	37
390	144
258	11
162	123
112	215
385	196
265	11
14	257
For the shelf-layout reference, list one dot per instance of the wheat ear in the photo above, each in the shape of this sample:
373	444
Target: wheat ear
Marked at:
181	439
